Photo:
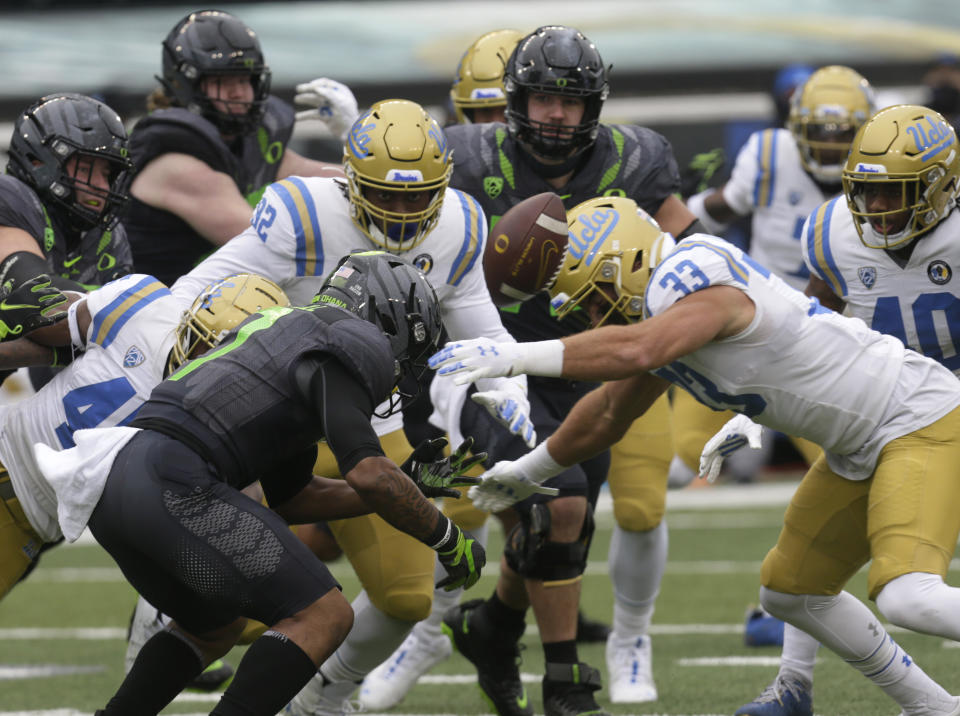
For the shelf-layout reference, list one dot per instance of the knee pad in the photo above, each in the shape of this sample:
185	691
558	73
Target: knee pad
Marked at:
530	553
408	606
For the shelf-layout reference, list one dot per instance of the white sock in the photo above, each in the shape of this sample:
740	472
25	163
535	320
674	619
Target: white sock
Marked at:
443	601
799	653
922	602
372	639
636	562
845	625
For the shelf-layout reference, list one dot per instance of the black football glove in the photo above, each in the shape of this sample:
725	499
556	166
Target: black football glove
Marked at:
436	475
701	169
31	305
463	562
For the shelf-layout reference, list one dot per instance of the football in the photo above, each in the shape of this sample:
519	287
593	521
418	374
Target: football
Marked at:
525	249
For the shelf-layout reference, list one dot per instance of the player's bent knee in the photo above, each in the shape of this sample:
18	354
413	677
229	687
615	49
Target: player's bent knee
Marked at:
780	604
637	515
532	554
251	632
917	601
407	606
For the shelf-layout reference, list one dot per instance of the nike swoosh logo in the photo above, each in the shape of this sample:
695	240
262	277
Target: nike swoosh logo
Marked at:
522	700
67	263
4	306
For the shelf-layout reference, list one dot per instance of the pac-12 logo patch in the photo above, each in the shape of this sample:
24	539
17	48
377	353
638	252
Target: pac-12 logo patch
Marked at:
868	275
939	272
133	357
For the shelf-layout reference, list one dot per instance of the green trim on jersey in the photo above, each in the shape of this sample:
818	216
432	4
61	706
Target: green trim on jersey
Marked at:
506	167
614	171
267	318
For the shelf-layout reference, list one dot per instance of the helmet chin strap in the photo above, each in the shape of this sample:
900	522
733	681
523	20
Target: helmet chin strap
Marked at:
551	171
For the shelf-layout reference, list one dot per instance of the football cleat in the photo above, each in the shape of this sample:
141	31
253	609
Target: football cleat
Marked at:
323	698
494	654
629	668
591	631
217	675
762	629
568	690
786	695
388	684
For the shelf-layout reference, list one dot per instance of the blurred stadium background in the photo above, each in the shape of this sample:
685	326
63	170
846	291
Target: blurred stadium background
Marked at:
698	71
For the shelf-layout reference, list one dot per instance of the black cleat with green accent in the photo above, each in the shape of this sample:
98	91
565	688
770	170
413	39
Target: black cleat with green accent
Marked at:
216	676
494	654
568	690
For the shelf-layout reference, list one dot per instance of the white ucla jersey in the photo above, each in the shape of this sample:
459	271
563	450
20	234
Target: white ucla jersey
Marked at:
919	302
798	367
132	323
302	227
769	182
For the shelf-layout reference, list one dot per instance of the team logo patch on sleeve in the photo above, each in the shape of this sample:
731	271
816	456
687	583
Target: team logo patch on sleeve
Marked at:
868	275
133	357
939	272
493	186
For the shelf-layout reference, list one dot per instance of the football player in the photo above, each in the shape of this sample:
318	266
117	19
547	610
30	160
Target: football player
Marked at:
63	193
884	252
720	325
477	93
395	197
214	138
780	176
556	83
210	555
123	334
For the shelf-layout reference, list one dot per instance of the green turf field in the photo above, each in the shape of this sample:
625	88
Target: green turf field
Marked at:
62	645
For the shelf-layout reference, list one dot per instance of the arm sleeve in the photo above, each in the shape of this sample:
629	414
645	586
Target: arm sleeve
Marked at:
749	170
344	406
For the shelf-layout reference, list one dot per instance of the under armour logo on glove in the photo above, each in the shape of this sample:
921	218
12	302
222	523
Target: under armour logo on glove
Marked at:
477	358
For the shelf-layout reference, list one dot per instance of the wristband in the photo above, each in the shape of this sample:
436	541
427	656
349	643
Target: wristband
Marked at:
538	465
542	358
696	206
76	340
442	535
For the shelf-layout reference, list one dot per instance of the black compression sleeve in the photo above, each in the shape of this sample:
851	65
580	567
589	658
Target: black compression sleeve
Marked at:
21	266
345	408
694	228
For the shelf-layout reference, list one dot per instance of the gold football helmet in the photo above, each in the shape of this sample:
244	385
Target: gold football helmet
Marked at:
221	307
479	80
398	167
825	114
901	178
612	248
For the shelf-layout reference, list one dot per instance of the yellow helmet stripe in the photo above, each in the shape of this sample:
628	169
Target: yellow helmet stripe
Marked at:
766	168
474	236
111	318
818	247
295	195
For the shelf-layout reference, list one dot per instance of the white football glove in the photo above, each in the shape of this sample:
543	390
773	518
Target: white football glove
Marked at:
502	487
332	103
736	432
477	358
510	406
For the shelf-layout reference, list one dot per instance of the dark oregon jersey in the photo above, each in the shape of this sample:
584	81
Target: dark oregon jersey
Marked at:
163	244
626	160
240	406
92	258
